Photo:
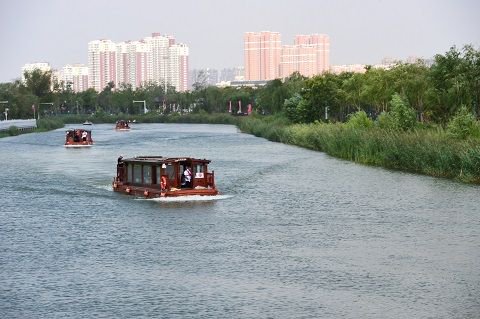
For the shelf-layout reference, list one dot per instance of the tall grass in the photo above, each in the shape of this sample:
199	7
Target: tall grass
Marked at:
425	151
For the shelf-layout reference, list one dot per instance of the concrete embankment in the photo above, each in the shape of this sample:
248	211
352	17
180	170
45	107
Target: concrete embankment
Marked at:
19	124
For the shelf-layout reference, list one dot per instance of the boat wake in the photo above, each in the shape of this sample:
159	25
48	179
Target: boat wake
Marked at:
190	198
105	187
179	199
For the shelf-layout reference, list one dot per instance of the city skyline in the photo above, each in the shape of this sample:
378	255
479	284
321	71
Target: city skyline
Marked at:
361	33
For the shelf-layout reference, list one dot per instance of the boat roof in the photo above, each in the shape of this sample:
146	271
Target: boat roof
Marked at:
160	159
77	129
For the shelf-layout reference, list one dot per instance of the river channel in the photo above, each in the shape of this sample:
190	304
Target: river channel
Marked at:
294	234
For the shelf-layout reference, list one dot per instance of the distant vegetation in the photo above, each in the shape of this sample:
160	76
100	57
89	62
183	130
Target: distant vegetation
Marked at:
415	117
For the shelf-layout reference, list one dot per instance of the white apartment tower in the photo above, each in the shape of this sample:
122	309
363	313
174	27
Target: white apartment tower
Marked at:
155	59
102	64
132	64
76	75
178	66
157	46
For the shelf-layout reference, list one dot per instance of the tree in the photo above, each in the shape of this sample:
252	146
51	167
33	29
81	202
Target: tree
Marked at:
271	97
104	99
38	82
411	80
320	94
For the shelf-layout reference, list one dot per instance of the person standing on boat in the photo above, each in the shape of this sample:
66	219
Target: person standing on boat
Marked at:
84	136
188	176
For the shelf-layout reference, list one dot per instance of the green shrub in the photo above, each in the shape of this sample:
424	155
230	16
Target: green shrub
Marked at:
359	120
400	117
386	121
13	131
463	125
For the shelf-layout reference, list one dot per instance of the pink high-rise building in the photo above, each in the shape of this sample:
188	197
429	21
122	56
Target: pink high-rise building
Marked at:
102	64
262	55
310	55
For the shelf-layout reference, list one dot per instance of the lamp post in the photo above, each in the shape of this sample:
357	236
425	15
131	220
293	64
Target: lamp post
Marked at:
41	104
6	109
144	105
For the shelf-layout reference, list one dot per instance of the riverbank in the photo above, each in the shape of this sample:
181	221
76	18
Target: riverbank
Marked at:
42	125
423	151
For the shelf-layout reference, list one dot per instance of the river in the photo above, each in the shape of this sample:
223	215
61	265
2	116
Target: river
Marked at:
294	234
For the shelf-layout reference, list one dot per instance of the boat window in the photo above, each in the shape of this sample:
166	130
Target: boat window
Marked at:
129	173
170	171
158	175
147	174
199	168
137	173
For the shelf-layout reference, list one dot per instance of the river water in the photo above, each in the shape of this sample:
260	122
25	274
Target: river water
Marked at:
294	233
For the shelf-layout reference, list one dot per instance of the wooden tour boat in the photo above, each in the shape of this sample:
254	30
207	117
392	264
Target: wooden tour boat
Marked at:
122	125
78	138
157	176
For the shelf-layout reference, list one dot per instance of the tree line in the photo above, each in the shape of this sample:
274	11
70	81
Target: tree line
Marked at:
435	93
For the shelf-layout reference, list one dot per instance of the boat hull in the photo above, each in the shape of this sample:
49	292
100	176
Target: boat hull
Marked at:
77	145
147	192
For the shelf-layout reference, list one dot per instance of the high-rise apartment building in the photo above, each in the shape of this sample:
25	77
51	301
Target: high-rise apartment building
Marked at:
262	52
310	55
178	66
158	56
75	75
102	63
155	59
267	59
132	64
30	67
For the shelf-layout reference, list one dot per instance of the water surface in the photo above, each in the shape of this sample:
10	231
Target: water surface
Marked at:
294	234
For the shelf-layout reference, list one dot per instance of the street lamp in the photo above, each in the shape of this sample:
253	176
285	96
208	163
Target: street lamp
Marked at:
41	104
144	105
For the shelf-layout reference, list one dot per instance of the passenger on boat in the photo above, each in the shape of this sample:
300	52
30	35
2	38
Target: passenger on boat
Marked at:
84	136
187	174
76	136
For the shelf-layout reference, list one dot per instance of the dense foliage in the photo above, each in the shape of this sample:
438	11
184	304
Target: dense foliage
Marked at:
415	117
432	93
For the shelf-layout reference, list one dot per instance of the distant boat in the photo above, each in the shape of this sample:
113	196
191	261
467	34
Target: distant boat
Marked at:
87	122
122	125
78	138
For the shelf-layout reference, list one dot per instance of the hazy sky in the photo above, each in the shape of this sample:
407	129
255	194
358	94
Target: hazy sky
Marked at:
58	31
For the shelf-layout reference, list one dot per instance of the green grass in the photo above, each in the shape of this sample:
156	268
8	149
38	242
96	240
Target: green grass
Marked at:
424	151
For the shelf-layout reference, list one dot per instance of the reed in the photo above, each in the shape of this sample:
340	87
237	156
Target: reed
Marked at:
430	152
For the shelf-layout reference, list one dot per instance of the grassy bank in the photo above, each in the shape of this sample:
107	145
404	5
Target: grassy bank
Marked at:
43	125
426	151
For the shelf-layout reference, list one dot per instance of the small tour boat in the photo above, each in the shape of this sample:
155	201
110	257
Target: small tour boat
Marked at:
78	138
87	122
122	125
157	176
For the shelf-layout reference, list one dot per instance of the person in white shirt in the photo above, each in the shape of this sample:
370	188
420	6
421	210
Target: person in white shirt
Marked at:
188	176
